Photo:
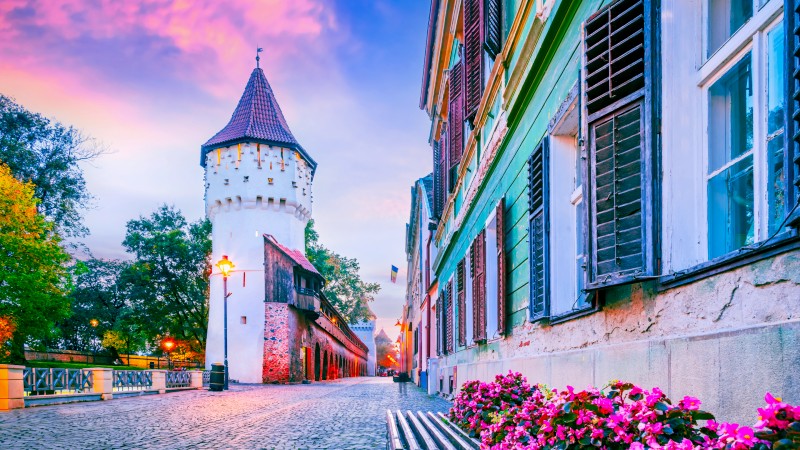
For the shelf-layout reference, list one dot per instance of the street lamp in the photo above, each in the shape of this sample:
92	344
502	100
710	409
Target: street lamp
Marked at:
168	345
94	323
225	266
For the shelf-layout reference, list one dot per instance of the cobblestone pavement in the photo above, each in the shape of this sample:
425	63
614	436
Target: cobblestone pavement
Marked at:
341	414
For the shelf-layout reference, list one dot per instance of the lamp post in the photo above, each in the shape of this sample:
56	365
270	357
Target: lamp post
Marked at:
168	345
225	266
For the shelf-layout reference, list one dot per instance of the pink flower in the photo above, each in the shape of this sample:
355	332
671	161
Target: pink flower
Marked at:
689	403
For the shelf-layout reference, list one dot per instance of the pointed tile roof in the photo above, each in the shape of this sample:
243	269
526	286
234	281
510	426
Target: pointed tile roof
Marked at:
257	118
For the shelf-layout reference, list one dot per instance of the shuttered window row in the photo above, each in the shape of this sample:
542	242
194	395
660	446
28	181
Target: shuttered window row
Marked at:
478	270
619	49
538	211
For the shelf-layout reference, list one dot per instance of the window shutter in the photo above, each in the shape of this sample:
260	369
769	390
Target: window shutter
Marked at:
493	26
449	319
455	115
619	103
501	266
615	59
478	267
539	223
462	304
473	57
791	21
439	330
438	178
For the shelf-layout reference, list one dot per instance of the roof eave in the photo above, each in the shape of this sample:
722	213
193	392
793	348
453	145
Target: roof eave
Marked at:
205	148
426	65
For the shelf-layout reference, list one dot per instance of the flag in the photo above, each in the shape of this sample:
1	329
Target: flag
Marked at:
394	274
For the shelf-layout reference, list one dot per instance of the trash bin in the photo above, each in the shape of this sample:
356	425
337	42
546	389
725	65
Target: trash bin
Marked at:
217	381
152	365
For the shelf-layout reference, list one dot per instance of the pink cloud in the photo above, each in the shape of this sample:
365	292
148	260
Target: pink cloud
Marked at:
190	40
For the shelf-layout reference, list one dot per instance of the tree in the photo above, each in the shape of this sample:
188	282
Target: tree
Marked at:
33	274
344	288
48	154
168	280
102	316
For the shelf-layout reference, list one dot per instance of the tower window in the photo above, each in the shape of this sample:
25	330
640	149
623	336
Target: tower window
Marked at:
219	156
246	178
243	320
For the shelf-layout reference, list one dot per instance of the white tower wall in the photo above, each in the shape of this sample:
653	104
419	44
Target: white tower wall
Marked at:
251	190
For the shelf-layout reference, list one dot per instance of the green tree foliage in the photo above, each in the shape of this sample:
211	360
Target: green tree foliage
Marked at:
169	276
33	275
345	289
102	315
47	154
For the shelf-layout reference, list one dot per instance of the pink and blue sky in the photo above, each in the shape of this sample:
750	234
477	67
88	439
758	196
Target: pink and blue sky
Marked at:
154	79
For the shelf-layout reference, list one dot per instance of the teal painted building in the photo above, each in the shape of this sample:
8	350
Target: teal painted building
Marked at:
614	197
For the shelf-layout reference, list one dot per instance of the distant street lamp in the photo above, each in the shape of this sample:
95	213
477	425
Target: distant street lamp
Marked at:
94	323
225	266
168	344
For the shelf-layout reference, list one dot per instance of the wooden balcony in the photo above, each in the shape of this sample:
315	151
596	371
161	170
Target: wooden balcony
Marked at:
308	301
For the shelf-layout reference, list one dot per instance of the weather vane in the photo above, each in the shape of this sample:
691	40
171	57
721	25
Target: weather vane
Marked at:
258	58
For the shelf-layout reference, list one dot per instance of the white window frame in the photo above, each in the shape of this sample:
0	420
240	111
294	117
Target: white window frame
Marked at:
750	38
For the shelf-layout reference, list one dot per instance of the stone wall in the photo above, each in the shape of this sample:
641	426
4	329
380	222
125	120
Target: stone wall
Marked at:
726	339
276	343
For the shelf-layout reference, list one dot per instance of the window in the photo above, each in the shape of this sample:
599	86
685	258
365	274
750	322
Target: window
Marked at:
725	17
493	304
538	213
620	192
567	212
746	180
243	320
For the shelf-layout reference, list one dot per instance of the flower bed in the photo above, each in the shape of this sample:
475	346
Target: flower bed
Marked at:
511	414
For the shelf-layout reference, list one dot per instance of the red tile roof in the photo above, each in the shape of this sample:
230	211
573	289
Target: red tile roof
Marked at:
257	118
295	255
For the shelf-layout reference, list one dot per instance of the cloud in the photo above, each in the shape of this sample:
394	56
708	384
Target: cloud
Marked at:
186	41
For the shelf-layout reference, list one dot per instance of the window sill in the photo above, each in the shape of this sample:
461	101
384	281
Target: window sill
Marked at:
782	243
576	314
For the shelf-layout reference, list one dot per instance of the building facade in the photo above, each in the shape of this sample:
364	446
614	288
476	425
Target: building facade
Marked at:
616	195
258	183
418	329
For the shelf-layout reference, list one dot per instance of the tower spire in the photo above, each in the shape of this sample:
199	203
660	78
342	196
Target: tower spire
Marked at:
258	58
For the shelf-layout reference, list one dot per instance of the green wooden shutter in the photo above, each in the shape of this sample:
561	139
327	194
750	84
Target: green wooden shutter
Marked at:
622	189
538	230
478	270
448	298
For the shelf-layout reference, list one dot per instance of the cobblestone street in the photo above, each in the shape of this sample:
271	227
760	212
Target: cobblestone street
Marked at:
347	413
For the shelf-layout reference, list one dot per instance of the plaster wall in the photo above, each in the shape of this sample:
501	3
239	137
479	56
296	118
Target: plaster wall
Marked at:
726	339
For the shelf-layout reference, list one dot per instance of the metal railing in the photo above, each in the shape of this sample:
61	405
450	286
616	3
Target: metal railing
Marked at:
50	381
206	377
178	379
132	380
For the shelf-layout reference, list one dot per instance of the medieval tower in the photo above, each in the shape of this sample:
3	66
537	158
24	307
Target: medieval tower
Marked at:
257	182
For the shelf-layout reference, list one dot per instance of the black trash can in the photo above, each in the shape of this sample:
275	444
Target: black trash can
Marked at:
217	382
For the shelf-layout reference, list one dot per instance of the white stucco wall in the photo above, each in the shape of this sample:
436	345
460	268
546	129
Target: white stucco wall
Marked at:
243	204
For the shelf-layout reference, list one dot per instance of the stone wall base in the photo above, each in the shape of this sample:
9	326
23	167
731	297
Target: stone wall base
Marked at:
729	371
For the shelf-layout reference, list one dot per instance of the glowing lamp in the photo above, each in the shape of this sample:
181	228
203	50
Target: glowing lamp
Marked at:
168	345
225	266
94	322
